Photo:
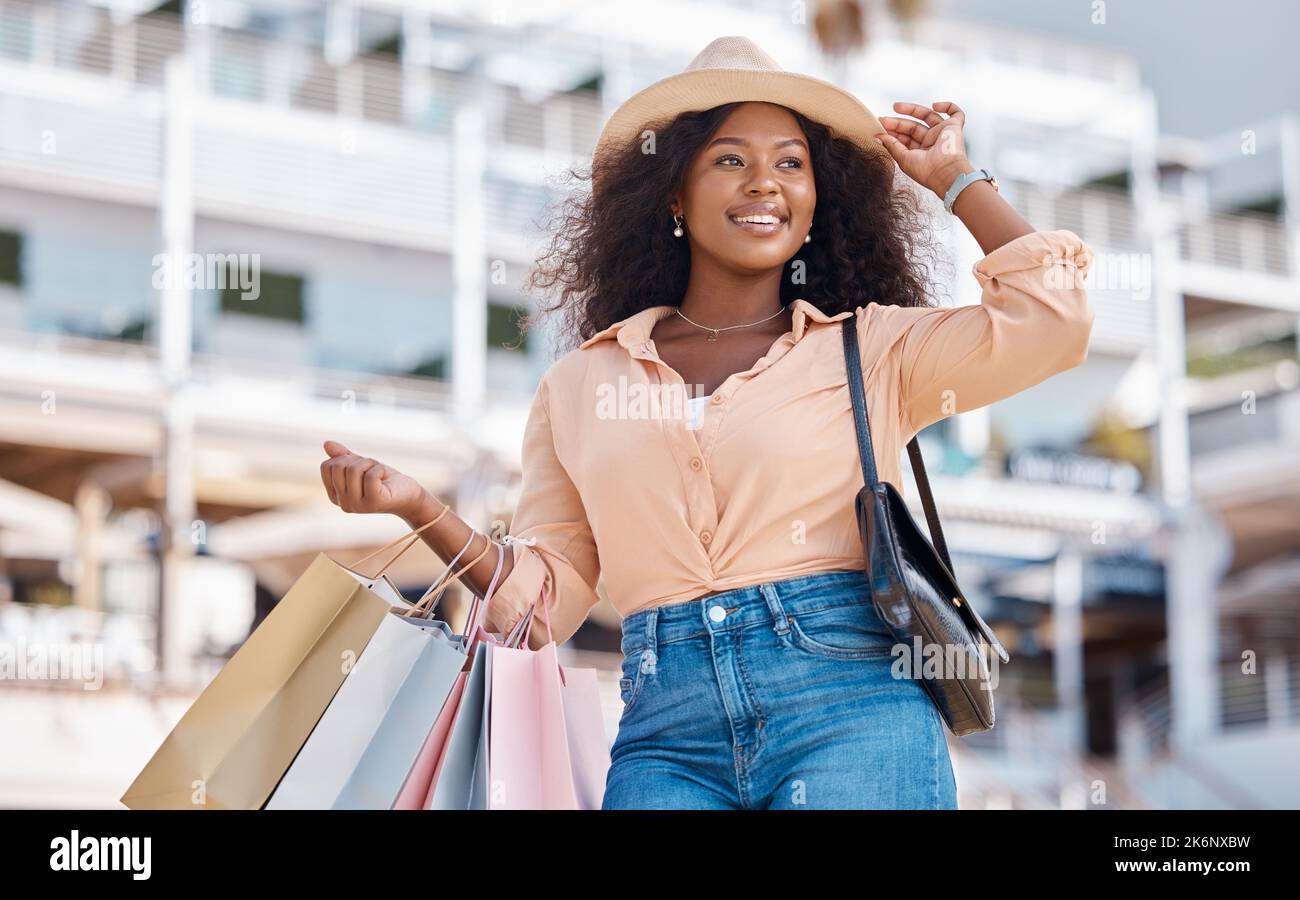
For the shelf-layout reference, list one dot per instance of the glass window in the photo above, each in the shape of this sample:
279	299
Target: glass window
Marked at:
11	252
280	297
503	328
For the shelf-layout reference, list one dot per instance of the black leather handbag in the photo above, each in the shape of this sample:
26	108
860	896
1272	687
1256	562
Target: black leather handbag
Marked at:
913	587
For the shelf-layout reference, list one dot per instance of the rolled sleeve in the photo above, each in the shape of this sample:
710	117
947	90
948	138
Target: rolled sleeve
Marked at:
1033	321
553	548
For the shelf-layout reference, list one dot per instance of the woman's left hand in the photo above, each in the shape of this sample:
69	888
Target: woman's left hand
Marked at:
931	152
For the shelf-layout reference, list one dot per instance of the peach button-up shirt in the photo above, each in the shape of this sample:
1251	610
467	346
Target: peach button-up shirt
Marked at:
617	484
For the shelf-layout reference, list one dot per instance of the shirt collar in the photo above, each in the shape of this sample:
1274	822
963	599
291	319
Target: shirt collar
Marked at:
634	331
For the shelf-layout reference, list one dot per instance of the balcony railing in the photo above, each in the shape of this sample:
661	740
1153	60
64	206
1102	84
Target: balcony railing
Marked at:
370	153
1246	241
259	69
135	369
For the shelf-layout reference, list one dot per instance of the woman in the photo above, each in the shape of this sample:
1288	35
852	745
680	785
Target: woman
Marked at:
737	213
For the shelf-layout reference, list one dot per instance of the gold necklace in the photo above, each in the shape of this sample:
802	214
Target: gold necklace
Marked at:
713	332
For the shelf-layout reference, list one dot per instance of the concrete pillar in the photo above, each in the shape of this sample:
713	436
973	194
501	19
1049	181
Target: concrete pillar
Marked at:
199	29
1157	227
92	504
469	251
1199	552
1067	646
340	32
417	63
1290	150
123	51
341	25
175	333
176	216
1196	550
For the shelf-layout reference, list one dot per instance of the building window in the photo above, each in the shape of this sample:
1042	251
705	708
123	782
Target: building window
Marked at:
11	252
280	297
435	367
504	328
1249	354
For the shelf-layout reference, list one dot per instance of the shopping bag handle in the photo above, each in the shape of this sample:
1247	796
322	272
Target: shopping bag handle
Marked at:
546	612
531	617
517	630
550	636
528	618
418	605
411	537
435	592
478	609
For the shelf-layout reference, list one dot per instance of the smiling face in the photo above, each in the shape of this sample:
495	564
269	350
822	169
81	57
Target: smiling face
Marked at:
749	195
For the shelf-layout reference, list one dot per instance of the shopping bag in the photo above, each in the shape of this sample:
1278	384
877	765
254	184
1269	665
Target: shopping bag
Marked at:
421	777
240	735
584	725
547	745
461	779
369	737
417	789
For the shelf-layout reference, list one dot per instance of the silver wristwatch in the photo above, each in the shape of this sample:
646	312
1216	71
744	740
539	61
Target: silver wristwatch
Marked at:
963	181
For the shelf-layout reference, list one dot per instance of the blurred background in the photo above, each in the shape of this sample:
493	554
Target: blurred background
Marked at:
1131	528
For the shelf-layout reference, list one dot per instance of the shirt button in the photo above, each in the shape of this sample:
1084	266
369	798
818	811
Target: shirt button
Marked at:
706	536
697	463
717	613
717	398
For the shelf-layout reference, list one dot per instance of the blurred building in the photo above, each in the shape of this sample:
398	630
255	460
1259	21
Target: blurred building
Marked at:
1128	527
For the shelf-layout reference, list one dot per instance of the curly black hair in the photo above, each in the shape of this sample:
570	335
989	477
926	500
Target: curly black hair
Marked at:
612	253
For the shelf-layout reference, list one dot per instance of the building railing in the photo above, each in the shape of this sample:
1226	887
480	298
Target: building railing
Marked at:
1250	242
1224	426
259	69
1256	700
92	357
971	42
379	157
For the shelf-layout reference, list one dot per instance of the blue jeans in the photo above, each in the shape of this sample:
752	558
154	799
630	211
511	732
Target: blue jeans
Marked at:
774	696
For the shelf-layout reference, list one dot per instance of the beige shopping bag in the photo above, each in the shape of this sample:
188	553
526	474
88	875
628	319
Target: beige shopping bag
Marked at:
236	741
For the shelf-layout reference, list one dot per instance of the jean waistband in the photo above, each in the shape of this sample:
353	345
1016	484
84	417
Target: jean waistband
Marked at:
769	602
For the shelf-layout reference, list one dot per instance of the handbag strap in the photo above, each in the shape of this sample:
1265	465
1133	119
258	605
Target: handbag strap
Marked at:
866	453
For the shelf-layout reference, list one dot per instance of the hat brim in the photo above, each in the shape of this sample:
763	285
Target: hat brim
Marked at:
701	89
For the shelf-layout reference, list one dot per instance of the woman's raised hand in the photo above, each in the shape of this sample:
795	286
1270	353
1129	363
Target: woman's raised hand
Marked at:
932	152
358	484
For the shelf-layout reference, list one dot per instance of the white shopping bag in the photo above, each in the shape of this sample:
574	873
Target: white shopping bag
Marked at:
370	734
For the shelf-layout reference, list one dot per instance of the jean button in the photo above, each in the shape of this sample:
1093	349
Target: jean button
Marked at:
717	613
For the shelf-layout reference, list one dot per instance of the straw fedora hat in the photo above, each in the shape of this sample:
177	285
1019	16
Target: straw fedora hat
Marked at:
734	68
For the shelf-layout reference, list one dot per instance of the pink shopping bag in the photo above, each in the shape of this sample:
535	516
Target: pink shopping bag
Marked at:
546	738
418	789
585	728
419	781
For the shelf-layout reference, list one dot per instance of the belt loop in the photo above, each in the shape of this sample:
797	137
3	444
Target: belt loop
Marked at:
651	653
769	592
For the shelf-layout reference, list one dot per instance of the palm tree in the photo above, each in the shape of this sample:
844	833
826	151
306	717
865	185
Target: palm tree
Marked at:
841	25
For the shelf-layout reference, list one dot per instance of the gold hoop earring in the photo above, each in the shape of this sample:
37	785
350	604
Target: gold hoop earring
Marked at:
678	232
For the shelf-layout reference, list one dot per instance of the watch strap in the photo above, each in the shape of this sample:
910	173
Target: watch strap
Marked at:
963	181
